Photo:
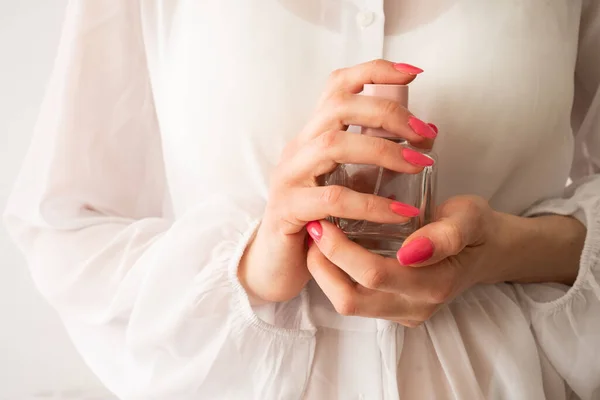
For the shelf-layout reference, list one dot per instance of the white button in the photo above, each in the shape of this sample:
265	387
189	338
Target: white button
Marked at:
365	18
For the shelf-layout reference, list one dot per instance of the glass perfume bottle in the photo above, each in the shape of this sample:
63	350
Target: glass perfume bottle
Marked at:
413	189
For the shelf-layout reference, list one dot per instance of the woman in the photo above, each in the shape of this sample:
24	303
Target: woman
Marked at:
181	272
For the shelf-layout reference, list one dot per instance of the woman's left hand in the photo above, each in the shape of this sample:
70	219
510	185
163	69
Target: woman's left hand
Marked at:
462	248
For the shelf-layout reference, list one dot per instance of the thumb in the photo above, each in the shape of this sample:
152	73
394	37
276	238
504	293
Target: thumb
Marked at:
459	224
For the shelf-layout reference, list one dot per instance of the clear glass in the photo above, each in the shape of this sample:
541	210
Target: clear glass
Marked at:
414	189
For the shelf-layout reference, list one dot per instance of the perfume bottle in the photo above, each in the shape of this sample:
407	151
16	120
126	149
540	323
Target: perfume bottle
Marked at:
414	189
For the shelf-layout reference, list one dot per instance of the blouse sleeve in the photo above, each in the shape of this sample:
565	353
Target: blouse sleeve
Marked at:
566	321
153	304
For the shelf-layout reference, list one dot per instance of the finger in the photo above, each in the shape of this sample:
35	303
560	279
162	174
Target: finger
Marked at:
315	203
427	144
460	224
322	155
353	79
347	297
343	109
370	270
336	285
350	298
433	284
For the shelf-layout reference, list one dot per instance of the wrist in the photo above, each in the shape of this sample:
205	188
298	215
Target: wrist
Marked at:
273	267
245	275
513	239
498	264
537	249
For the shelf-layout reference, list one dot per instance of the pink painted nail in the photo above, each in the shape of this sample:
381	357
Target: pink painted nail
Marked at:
404	209
416	252
421	128
416	158
315	230
434	127
408	69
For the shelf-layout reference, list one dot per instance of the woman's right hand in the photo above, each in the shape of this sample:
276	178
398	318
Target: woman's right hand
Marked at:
273	268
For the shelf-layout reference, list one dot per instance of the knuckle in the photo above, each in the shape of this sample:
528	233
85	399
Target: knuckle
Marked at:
331	195
371	204
374	278
280	177
329	248
380	147
345	304
327	140
379	63
424	314
337	75
275	205
440	295
411	324
284	224
473	206
336	102
453	237
390	108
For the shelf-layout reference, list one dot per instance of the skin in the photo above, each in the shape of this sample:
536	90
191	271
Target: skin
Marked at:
472	243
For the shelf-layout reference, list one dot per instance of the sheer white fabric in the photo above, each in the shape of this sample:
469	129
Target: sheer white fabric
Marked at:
149	171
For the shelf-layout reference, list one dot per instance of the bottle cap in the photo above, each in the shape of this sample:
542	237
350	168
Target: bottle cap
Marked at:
398	93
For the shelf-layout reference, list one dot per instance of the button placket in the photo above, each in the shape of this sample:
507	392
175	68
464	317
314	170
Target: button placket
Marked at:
370	21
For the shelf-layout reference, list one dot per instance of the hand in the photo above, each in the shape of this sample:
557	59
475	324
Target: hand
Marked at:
273	267
435	264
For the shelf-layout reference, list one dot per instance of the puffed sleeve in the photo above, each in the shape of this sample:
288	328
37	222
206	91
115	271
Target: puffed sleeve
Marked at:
153	304
566	321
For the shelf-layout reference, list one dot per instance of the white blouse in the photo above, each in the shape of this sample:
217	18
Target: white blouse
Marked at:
149	171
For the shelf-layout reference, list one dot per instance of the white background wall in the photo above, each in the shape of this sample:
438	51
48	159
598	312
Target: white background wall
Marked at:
36	357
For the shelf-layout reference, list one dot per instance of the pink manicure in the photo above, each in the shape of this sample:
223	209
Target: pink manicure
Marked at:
416	252
434	127
416	158
421	128
315	230
404	209
408	69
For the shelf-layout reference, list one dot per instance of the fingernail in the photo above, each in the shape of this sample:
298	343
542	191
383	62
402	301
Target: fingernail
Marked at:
404	209
415	252
434	127
421	128
416	158
408	69
315	230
